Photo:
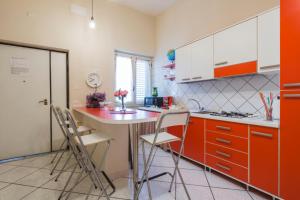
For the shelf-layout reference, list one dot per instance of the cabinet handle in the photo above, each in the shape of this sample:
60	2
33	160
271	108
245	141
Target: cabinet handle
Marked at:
223	167
289	85
295	96
185	79
268	67
262	134
223	128
198	77
221	63
223	154
223	141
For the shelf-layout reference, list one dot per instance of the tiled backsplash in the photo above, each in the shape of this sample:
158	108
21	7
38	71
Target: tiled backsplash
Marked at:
239	94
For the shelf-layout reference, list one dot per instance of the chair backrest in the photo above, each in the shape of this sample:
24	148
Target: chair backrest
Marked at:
173	118
81	151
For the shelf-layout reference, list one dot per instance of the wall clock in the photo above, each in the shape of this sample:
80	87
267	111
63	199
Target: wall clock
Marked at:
93	80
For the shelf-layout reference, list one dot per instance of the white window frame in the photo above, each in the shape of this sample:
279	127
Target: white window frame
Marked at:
134	57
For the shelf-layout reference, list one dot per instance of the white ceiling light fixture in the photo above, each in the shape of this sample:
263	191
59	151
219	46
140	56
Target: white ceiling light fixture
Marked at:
92	23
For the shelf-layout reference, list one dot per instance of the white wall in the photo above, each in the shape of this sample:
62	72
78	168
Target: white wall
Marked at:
51	23
189	20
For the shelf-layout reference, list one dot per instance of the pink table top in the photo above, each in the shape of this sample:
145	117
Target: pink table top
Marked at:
105	116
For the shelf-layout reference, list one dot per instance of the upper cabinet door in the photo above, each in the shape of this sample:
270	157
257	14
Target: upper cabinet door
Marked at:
183	64
236	45
289	45
202	59
269	41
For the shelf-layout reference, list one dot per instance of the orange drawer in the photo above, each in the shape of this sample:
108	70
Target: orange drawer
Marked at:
240	130
227	154
227	168
229	141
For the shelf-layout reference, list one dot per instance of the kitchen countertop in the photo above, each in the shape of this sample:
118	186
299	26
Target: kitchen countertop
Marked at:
251	121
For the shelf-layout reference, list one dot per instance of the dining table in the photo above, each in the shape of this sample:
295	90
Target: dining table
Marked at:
132	119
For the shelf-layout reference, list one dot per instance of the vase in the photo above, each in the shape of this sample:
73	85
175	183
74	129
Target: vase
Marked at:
123	109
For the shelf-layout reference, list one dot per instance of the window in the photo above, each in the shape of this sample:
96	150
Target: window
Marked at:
133	73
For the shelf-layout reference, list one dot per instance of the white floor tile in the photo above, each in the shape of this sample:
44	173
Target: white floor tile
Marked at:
16	173
259	196
59	185
43	194
15	192
226	194
37	179
3	185
5	168
219	181
38	162
124	188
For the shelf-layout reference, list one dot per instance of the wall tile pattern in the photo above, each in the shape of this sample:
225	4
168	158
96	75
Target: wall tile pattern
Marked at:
239	94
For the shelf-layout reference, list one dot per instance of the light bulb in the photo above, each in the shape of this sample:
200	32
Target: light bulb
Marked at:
92	23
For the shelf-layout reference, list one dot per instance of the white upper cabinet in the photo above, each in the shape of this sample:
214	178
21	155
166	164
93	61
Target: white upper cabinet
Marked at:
269	41
183	64
202	64
237	44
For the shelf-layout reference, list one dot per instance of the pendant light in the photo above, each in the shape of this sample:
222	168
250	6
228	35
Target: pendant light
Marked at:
92	23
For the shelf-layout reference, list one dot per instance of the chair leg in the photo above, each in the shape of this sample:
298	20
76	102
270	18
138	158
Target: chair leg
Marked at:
176	162
67	183
67	161
60	148
145	171
57	162
148	164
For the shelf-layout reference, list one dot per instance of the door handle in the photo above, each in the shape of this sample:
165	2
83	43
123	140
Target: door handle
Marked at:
295	96
223	128
221	63
44	101
268	135
223	141
290	85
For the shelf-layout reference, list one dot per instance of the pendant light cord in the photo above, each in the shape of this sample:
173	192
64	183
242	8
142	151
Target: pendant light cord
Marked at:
92	8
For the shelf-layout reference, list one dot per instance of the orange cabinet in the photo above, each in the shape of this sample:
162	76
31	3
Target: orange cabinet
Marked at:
289	44
264	158
230	155
290	144
177	131
230	128
290	99
194	143
228	141
231	169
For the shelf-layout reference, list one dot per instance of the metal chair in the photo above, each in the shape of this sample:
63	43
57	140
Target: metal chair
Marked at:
78	144
167	119
62	148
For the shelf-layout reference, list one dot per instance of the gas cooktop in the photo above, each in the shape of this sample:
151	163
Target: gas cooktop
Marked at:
232	114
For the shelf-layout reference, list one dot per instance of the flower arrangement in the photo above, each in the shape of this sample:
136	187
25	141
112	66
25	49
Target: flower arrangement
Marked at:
93	100
121	94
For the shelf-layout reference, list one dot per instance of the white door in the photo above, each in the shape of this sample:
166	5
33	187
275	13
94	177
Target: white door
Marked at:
237	44
24	102
58	91
202	67
183	64
269	41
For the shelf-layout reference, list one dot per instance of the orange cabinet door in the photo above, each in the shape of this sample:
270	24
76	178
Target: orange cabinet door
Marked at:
290	144
177	131
289	44
264	158
194	142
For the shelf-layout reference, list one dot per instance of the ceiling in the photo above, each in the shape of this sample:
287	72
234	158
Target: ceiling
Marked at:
151	7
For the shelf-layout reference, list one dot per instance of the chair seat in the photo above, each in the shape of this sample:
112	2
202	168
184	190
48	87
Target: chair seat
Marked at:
94	138
81	129
162	138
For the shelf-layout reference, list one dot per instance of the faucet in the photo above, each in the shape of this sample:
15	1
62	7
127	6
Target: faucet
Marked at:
198	103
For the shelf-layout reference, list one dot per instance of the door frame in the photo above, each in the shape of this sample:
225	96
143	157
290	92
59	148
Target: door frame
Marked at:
50	49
